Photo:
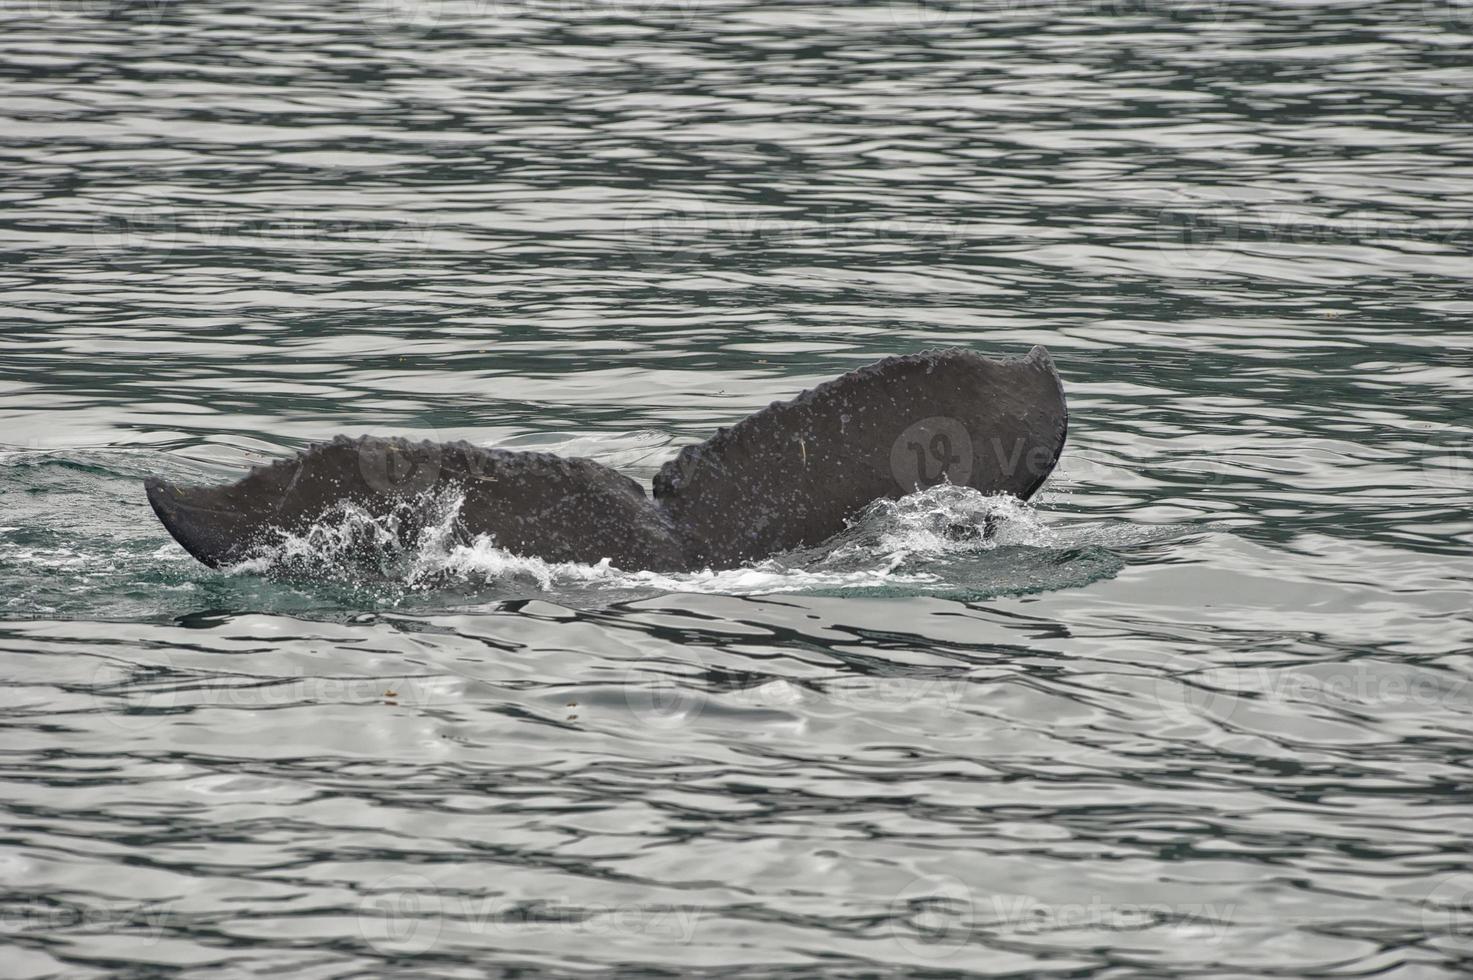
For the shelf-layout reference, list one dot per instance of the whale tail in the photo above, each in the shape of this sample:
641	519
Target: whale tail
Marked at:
787	476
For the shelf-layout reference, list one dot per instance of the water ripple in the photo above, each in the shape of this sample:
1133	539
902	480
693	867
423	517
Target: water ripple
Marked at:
1202	710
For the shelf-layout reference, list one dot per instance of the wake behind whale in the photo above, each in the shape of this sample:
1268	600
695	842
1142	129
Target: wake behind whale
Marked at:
789	476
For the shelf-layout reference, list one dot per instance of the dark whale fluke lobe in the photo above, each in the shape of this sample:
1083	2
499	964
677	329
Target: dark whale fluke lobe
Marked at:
559	509
788	476
795	472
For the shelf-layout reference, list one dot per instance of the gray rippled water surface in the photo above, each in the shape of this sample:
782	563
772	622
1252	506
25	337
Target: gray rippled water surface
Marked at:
1205	708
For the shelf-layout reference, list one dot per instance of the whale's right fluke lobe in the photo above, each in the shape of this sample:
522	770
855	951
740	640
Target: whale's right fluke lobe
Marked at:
793	473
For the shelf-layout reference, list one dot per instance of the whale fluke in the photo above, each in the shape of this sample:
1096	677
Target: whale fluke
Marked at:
788	476
793	473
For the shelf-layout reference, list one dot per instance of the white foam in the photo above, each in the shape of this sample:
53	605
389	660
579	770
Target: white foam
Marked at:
886	546
482	561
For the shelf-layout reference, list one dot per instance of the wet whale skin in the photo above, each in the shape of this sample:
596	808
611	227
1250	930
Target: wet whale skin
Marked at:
788	476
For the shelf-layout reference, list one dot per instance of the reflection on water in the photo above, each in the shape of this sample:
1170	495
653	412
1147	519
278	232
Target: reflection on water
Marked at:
1203	709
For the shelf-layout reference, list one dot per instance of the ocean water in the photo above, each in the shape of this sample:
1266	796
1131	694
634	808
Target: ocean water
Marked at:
1203	708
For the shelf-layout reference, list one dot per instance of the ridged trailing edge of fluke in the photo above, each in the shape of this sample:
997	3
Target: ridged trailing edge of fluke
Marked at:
788	476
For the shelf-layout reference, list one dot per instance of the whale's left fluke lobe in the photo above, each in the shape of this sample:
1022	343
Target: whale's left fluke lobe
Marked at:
557	508
790	475
227	524
213	534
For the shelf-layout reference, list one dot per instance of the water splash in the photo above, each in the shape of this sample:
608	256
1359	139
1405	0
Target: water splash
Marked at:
938	541
57	555
407	545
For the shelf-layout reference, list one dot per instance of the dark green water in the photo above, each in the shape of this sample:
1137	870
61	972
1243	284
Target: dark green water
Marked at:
1205	710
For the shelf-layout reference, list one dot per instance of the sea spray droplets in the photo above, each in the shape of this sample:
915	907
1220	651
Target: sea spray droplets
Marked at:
943	520
406	545
892	545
